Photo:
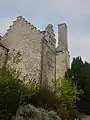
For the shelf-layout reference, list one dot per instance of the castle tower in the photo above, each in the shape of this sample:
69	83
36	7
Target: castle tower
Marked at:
62	54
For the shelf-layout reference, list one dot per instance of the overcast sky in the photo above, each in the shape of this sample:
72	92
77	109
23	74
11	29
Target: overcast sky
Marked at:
75	13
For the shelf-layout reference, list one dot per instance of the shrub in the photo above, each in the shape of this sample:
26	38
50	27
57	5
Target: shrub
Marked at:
61	97
44	98
68	95
12	94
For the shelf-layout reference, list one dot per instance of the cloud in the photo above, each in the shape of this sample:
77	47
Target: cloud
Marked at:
70	8
79	46
73	8
4	24
76	13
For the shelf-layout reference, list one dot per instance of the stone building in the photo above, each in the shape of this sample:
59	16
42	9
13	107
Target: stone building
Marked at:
33	52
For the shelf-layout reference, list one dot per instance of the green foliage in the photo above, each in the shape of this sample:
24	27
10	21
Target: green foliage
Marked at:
13	93
44	98
10	92
66	88
32	87
61	97
81	77
68	95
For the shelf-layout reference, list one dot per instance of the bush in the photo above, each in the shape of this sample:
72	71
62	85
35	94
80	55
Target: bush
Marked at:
44	98
68	95
12	94
61	97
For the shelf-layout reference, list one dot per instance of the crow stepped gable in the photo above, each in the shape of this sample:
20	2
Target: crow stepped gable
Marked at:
33	52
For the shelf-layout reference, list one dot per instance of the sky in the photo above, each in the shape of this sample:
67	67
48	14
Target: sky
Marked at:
75	13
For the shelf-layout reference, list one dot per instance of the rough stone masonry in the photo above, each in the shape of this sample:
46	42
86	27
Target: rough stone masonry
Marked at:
33	52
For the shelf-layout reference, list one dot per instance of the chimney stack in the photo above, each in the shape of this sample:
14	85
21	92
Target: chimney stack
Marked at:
62	36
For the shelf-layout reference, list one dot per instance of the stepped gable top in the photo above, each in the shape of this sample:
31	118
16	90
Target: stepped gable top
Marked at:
49	32
20	18
49	29
24	20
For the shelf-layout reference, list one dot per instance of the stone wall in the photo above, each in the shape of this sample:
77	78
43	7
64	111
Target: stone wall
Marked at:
48	63
48	55
62	54
24	43
62	63
32	52
60	66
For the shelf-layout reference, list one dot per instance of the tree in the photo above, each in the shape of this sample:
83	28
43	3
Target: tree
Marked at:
67	93
81	77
